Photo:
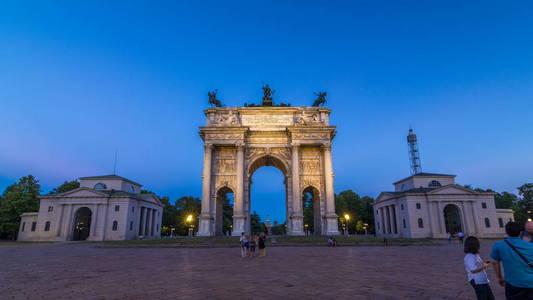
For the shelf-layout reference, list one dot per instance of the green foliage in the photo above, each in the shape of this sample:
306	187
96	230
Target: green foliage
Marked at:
66	187
358	208
186	206
278	229
505	200
255	223
524	206
308	210
18	198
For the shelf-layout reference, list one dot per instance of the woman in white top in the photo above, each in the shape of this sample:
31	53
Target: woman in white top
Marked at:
475	269
243	242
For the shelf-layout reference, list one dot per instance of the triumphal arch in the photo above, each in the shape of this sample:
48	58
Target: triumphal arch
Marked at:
240	140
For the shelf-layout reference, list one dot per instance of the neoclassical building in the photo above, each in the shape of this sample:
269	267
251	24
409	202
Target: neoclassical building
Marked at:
103	208
240	140
433	205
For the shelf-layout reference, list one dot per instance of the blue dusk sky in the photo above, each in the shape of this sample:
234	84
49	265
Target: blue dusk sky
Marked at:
79	79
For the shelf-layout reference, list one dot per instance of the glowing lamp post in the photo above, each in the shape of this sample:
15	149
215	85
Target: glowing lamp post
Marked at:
189	221
306	229
346	220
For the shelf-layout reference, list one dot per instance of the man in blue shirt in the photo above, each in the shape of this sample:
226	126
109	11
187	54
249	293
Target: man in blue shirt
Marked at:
518	280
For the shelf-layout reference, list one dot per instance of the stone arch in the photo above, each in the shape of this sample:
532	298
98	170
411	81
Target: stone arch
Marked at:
452	219
81	224
221	195
268	160
312	210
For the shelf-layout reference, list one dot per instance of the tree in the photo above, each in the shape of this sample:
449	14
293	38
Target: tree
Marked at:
524	206
505	200
359	209
255	223
186	206
18	198
65	187
308	210
169	216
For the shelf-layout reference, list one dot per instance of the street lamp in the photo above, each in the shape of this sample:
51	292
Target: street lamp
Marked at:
347	219
171	231
365	227
306	229
189	221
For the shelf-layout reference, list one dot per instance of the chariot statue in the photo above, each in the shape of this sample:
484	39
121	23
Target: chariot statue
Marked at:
321	98
212	95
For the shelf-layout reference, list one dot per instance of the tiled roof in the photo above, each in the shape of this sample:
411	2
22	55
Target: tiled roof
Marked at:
110	177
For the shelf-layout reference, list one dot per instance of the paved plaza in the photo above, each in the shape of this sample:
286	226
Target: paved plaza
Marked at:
87	271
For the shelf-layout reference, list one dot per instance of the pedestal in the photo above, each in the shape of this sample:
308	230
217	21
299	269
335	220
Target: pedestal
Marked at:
205	226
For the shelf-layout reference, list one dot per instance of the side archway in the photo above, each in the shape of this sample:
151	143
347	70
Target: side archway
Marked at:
224	211
311	210
82	224
452	219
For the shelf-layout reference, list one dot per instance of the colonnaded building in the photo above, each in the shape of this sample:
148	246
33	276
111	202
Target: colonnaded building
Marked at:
433	205
240	140
103	208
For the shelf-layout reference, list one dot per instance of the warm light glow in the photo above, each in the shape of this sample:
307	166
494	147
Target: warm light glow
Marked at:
306	225
347	217
529	220
189	218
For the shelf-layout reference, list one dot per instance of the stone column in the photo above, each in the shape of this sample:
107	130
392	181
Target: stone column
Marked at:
297	209
440	215
142	216
94	222
475	218
387	219
67	228
238	205
383	225
60	221
331	216
394	220
205	216
147	223
466	223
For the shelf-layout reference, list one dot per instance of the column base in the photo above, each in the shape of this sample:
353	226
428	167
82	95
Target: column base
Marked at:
332	224
297	225
205	226
238	225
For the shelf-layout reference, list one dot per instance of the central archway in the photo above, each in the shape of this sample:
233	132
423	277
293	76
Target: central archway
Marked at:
256	164
82	224
452	219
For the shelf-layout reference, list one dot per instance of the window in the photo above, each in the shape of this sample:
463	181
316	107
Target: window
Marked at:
404	223
50	208
33	226
131	225
401	206
47	226
117	207
483	205
100	186
500	222
487	222
434	184
378	225
158	213
403	188
23	226
157	228
420	223
115	225
132	208
377	212
418	206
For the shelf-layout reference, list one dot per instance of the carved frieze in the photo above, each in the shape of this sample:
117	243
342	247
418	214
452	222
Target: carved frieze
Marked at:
309	119
310	166
225	180
224	119
225	166
311	135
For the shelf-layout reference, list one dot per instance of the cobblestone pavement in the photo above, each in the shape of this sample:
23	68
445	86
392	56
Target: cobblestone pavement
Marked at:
84	271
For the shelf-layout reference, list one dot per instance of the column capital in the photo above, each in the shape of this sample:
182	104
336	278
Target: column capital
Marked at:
295	145
208	146
240	145
326	146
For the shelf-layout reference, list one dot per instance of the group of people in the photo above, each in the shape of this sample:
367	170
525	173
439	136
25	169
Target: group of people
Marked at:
332	242
515	252
460	236
249	243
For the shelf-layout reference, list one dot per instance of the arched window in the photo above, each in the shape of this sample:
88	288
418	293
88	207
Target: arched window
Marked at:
47	226
404	223
115	225
132	188
434	184
487	222
420	223
100	186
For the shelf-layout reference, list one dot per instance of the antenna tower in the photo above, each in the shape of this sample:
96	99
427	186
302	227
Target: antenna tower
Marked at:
414	155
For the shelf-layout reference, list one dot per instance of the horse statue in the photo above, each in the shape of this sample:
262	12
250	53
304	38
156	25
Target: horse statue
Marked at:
213	98
321	100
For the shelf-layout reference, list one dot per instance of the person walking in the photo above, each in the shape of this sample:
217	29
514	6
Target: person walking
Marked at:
528	232
261	244
253	242
475	269
516	255
243	242
461	236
